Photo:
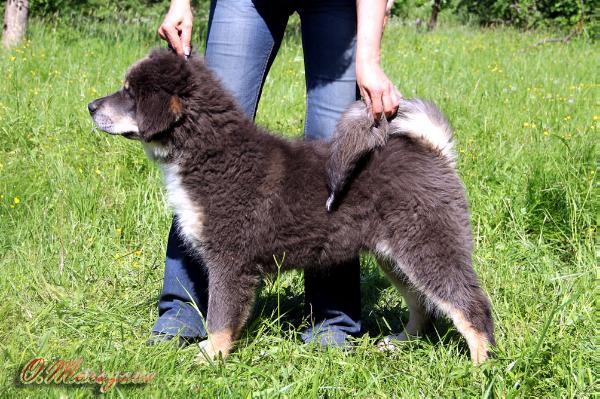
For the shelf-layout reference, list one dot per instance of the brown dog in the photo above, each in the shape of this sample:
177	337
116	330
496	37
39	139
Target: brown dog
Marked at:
242	196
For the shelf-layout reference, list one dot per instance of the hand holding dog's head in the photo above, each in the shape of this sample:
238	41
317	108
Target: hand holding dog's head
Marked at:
151	100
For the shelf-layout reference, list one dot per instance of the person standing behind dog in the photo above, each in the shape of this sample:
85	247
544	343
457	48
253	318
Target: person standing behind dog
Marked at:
341	43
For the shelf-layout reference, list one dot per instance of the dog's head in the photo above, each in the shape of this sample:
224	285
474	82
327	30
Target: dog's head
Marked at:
151	101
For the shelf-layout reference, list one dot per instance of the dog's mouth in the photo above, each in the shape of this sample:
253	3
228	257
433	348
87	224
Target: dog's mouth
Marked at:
125	127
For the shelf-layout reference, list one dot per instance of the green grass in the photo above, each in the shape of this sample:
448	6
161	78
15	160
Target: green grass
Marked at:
81	253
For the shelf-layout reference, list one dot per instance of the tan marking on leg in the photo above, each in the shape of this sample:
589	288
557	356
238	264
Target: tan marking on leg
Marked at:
417	317
417	320
218	342
477	341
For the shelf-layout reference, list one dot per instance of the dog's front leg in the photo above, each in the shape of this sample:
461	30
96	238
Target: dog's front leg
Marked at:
231	295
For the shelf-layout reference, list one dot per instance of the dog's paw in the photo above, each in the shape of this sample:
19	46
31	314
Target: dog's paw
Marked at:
391	342
218	344
208	353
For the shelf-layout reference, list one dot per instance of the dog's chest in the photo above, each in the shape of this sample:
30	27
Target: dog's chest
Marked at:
190	214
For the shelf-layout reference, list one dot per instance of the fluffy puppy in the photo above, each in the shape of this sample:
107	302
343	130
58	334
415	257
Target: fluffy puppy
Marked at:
242	196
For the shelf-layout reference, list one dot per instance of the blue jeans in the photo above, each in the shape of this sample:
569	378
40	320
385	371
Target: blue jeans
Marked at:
243	39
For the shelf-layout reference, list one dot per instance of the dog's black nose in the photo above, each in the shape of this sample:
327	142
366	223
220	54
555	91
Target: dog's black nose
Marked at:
93	106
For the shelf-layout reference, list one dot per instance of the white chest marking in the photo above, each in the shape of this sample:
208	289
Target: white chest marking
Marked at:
155	151
190	215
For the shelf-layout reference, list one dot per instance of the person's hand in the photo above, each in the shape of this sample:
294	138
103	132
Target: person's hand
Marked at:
176	29
378	92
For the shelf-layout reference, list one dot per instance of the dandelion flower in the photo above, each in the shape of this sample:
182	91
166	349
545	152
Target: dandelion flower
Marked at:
17	200
596	117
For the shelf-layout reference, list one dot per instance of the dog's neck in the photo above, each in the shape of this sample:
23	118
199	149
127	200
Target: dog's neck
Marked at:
207	133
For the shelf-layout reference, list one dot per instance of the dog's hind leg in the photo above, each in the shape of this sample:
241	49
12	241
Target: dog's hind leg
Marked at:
231	297
418	317
446	279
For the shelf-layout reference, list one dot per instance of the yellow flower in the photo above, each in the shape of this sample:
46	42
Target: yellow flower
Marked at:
17	200
97	171
137	253
526	124
596	117
13	58
118	232
546	133
567	118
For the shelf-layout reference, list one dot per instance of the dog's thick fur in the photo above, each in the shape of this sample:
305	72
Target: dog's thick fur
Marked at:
358	134
242	196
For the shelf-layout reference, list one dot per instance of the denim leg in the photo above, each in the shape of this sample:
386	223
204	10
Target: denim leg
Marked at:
185	282
242	41
332	297
329	44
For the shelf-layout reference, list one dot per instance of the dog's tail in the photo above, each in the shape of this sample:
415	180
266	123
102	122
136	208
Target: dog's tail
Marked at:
357	134
422	121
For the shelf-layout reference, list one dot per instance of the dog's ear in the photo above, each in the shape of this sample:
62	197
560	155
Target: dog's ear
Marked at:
156	112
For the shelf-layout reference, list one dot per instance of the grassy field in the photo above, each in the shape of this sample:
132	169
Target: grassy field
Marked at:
84	221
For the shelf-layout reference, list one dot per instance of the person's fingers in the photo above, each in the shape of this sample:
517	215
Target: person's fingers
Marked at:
367	99
395	96
161	33
173	38
377	104
186	38
395	102
389	107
